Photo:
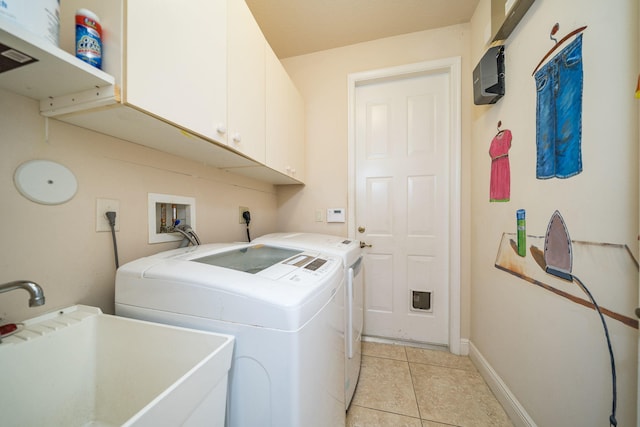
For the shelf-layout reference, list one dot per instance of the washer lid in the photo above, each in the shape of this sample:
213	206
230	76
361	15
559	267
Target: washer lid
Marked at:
45	182
252	259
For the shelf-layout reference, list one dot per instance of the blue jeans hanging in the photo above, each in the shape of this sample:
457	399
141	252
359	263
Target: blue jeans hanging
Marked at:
559	114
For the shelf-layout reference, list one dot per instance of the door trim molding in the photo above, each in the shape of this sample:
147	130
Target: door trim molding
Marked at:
450	66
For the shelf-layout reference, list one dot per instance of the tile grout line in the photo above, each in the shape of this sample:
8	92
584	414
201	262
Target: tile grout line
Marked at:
413	386
439	363
415	394
390	412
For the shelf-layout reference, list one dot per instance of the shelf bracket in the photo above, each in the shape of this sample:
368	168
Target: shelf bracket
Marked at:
80	101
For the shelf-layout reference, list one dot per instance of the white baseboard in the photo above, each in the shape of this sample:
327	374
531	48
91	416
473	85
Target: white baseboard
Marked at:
512	407
464	347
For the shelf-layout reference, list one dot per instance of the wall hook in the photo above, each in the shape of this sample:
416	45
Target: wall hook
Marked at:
555	29
553	32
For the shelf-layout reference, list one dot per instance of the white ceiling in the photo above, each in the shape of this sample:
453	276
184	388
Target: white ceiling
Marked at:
297	27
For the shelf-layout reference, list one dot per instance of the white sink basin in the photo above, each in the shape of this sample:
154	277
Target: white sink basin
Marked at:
80	367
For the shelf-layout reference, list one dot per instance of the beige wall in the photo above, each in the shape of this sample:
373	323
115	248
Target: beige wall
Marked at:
322	79
58	247
549	351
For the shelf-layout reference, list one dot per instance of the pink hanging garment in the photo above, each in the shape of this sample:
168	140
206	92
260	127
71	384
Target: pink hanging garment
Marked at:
500	188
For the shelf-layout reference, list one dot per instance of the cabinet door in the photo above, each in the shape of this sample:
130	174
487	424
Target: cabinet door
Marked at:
246	82
285	121
176	62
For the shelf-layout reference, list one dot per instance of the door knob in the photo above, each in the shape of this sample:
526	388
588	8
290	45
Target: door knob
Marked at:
364	245
638	312
361	229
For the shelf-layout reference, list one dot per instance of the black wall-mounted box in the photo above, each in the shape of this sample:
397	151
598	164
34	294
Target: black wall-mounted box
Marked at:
488	77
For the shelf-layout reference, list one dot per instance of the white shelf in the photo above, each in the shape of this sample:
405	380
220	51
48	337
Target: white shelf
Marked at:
55	73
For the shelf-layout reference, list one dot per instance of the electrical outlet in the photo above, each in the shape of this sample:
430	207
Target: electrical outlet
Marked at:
241	210
102	207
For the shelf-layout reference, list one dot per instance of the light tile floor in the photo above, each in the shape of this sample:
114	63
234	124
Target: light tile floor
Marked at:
404	386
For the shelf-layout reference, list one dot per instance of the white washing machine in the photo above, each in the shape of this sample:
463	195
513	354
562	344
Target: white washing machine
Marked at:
351	254
283	305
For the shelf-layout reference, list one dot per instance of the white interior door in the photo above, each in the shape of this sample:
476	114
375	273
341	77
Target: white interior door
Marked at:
402	138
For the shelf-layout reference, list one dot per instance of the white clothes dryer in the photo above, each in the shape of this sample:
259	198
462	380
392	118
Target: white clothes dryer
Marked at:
283	305
351	254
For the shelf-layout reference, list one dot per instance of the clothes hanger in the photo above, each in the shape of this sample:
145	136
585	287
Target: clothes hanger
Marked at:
554	30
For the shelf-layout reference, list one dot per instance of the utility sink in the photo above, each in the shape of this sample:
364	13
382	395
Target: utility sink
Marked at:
80	367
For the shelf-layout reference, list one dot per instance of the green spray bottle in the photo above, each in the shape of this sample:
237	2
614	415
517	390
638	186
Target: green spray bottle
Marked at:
522	232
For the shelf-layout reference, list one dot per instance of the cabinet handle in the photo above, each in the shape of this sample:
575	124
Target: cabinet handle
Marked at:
221	129
237	137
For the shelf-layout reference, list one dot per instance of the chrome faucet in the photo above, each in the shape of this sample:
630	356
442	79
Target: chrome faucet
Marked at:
35	291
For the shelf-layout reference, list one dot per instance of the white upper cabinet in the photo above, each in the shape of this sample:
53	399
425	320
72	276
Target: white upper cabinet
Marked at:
194	78
245	82
285	139
175	62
